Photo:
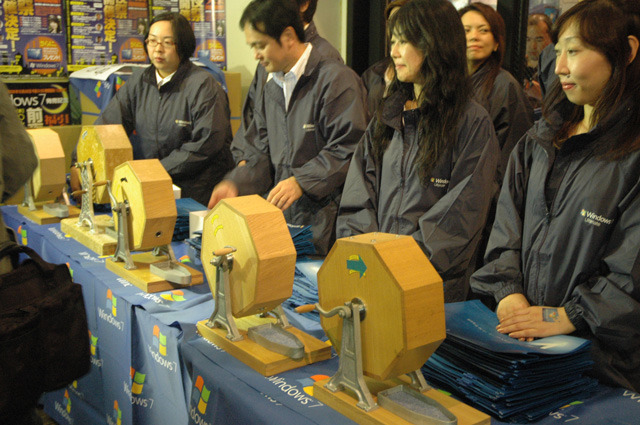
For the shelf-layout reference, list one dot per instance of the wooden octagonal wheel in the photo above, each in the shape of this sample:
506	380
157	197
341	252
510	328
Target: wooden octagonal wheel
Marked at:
403	296
264	261
107	146
48	179
149	189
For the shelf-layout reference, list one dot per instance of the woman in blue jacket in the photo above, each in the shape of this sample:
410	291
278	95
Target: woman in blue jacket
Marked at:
564	253
494	88
426	165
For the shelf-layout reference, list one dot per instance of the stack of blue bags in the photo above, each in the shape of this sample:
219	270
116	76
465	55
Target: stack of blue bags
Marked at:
305	286
302	239
511	380
184	207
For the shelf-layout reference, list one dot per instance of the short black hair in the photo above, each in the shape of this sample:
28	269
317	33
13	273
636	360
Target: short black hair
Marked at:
272	17
307	16
183	35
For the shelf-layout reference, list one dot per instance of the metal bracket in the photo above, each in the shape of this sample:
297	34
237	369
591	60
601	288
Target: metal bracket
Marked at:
121	210
222	316
170	270
280	316
28	197
418	382
349	374
86	180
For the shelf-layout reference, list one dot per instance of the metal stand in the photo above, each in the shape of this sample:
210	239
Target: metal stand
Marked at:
55	209
86	181
121	210
222	316
28	197
270	336
349	374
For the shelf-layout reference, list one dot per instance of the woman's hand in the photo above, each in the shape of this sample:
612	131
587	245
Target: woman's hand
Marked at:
535	322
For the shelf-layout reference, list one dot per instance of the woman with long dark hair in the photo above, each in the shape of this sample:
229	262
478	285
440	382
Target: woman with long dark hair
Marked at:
497	90
564	252
426	166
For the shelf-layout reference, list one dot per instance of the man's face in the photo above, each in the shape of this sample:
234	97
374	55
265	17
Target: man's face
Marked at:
537	39
267	50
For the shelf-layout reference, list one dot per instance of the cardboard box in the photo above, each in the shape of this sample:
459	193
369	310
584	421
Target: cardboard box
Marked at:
234	87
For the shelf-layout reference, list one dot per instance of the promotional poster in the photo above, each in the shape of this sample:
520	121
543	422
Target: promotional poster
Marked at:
106	32
208	21
32	37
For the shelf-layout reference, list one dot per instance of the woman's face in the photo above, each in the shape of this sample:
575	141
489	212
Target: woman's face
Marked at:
582	70
407	60
480	40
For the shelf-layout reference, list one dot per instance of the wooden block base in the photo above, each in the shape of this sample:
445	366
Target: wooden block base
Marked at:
38	216
100	243
345	403
142	276
260	359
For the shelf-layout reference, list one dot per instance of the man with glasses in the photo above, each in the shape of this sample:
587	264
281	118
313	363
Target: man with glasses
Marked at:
176	111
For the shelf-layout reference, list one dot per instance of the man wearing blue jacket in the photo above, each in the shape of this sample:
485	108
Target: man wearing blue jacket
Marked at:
306	125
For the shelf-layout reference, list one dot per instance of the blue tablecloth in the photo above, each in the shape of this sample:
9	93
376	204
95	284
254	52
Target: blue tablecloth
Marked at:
149	365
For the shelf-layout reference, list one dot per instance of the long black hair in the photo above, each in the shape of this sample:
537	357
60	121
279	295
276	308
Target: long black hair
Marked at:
497	26
445	93
605	26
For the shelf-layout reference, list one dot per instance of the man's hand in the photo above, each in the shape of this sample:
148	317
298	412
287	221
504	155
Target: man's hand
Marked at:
224	189
285	193
536	322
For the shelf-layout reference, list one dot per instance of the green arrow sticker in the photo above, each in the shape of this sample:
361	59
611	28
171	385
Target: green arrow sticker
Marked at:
356	265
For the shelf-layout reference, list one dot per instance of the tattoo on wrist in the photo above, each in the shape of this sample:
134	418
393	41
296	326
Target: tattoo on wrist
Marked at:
550	315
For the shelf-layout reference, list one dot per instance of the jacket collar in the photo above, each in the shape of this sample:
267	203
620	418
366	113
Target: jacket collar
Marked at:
149	75
392	109
546	128
310	33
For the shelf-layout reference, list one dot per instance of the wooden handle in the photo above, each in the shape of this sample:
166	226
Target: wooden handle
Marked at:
305	308
222	251
100	183
77	192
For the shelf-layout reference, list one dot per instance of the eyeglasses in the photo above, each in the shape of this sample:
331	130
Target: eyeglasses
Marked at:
166	43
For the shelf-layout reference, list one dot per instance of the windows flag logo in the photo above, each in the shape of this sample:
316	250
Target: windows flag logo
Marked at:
175	295
117	413
67	401
201	396
137	381
111	303
159	341
93	340
307	383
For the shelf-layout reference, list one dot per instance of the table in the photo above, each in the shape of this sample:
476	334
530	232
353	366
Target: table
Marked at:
149	365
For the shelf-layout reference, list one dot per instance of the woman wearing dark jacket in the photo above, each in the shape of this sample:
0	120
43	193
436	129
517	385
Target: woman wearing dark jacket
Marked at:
564	252
426	166
494	88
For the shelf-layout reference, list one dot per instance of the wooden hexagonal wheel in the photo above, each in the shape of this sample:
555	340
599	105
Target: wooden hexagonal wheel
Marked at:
107	146
403	296
149	189
49	176
264	263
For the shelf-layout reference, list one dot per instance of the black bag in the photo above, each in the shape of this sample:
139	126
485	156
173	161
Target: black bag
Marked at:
44	337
